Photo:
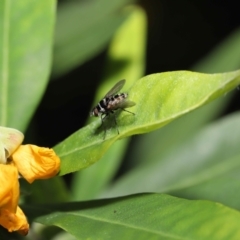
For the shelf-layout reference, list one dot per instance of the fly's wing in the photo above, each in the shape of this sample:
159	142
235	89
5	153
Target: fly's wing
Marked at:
124	104
116	88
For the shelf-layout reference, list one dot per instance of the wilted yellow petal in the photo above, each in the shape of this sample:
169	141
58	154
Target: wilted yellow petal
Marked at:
35	162
14	221
9	190
11	216
22	222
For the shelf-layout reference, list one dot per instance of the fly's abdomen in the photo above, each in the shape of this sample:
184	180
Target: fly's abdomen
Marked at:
115	100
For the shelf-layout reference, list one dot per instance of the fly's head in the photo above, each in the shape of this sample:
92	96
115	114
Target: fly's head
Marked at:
94	113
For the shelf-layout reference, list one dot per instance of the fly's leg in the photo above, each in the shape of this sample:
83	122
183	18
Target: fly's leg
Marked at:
127	111
102	117
102	125
115	121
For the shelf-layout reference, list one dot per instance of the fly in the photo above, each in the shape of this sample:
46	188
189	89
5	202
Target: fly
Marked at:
112	102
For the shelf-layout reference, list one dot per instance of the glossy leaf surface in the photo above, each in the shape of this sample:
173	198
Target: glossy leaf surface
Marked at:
143	216
160	99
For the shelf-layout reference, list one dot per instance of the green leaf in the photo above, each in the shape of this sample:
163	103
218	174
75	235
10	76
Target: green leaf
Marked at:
145	216
26	29
224	57
211	154
222	188
160	144
87	184
83	29
126	58
126	53
157	145
218	177
160	99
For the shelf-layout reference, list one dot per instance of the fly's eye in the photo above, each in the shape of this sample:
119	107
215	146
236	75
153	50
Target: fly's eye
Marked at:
95	112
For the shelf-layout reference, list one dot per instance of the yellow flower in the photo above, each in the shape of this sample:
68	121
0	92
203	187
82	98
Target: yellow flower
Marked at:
35	162
31	162
11	216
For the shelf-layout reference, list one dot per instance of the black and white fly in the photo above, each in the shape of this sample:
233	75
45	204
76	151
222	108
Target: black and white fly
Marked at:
112	102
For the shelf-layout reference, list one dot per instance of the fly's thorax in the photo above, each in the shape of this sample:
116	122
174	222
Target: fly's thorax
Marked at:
103	103
100	108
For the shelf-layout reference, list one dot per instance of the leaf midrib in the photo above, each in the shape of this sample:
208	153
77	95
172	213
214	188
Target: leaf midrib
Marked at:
123	224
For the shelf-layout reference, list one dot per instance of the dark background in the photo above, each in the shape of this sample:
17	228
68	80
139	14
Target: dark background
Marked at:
180	33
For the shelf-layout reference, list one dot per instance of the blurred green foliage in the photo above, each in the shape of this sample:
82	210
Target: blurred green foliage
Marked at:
189	153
